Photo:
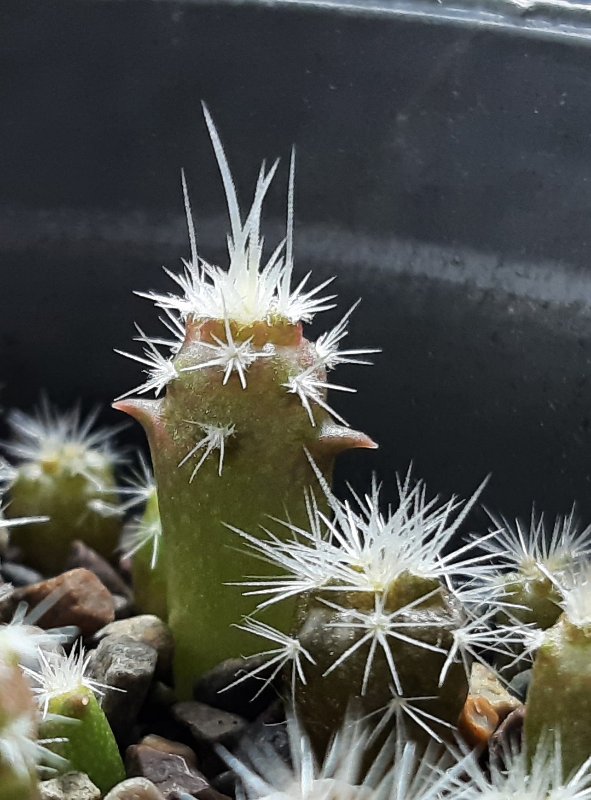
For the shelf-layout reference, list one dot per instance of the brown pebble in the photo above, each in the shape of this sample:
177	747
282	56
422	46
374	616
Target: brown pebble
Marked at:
484	683
148	629
80	599
168	746
81	555
478	721
209	725
170	773
71	786
508	734
135	789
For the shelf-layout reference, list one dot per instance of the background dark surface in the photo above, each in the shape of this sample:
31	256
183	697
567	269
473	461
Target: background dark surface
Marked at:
444	175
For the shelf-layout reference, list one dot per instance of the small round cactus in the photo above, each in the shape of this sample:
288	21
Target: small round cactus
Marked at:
65	471
526	559
379	628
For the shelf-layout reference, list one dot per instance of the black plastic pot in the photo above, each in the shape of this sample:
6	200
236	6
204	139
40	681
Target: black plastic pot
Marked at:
444	175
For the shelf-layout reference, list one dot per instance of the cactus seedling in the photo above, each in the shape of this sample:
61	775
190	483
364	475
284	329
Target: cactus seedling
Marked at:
20	750
559	697
74	718
522	588
377	624
65	471
245	395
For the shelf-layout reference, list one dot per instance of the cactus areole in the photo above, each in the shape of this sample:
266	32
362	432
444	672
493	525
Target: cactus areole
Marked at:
245	402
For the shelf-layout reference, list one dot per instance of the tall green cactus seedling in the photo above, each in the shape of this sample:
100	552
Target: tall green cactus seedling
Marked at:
245	395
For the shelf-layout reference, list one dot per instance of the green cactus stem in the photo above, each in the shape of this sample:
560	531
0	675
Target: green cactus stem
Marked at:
245	399
256	469
559	696
144	543
73	718
428	616
531	558
89	745
65	472
530	598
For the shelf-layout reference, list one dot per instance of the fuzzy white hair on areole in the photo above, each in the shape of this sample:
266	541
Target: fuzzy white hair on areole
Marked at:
49	434
524	548
574	587
23	752
140	485
378	628
363	549
229	355
515	775
159	368
214	438
288	650
252	289
140	534
397	772
60	674
22	639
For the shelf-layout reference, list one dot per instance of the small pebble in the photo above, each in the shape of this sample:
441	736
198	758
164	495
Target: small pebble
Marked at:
135	789
207	725
208	728
148	629
484	683
240	699
81	555
507	737
71	786
123	664
19	575
267	732
124	607
81	600
169	772
168	746
478	721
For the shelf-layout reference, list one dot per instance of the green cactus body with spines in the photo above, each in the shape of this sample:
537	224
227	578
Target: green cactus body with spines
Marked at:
329	694
559	696
148	568
67	500
89	745
531	598
66	473
263	473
